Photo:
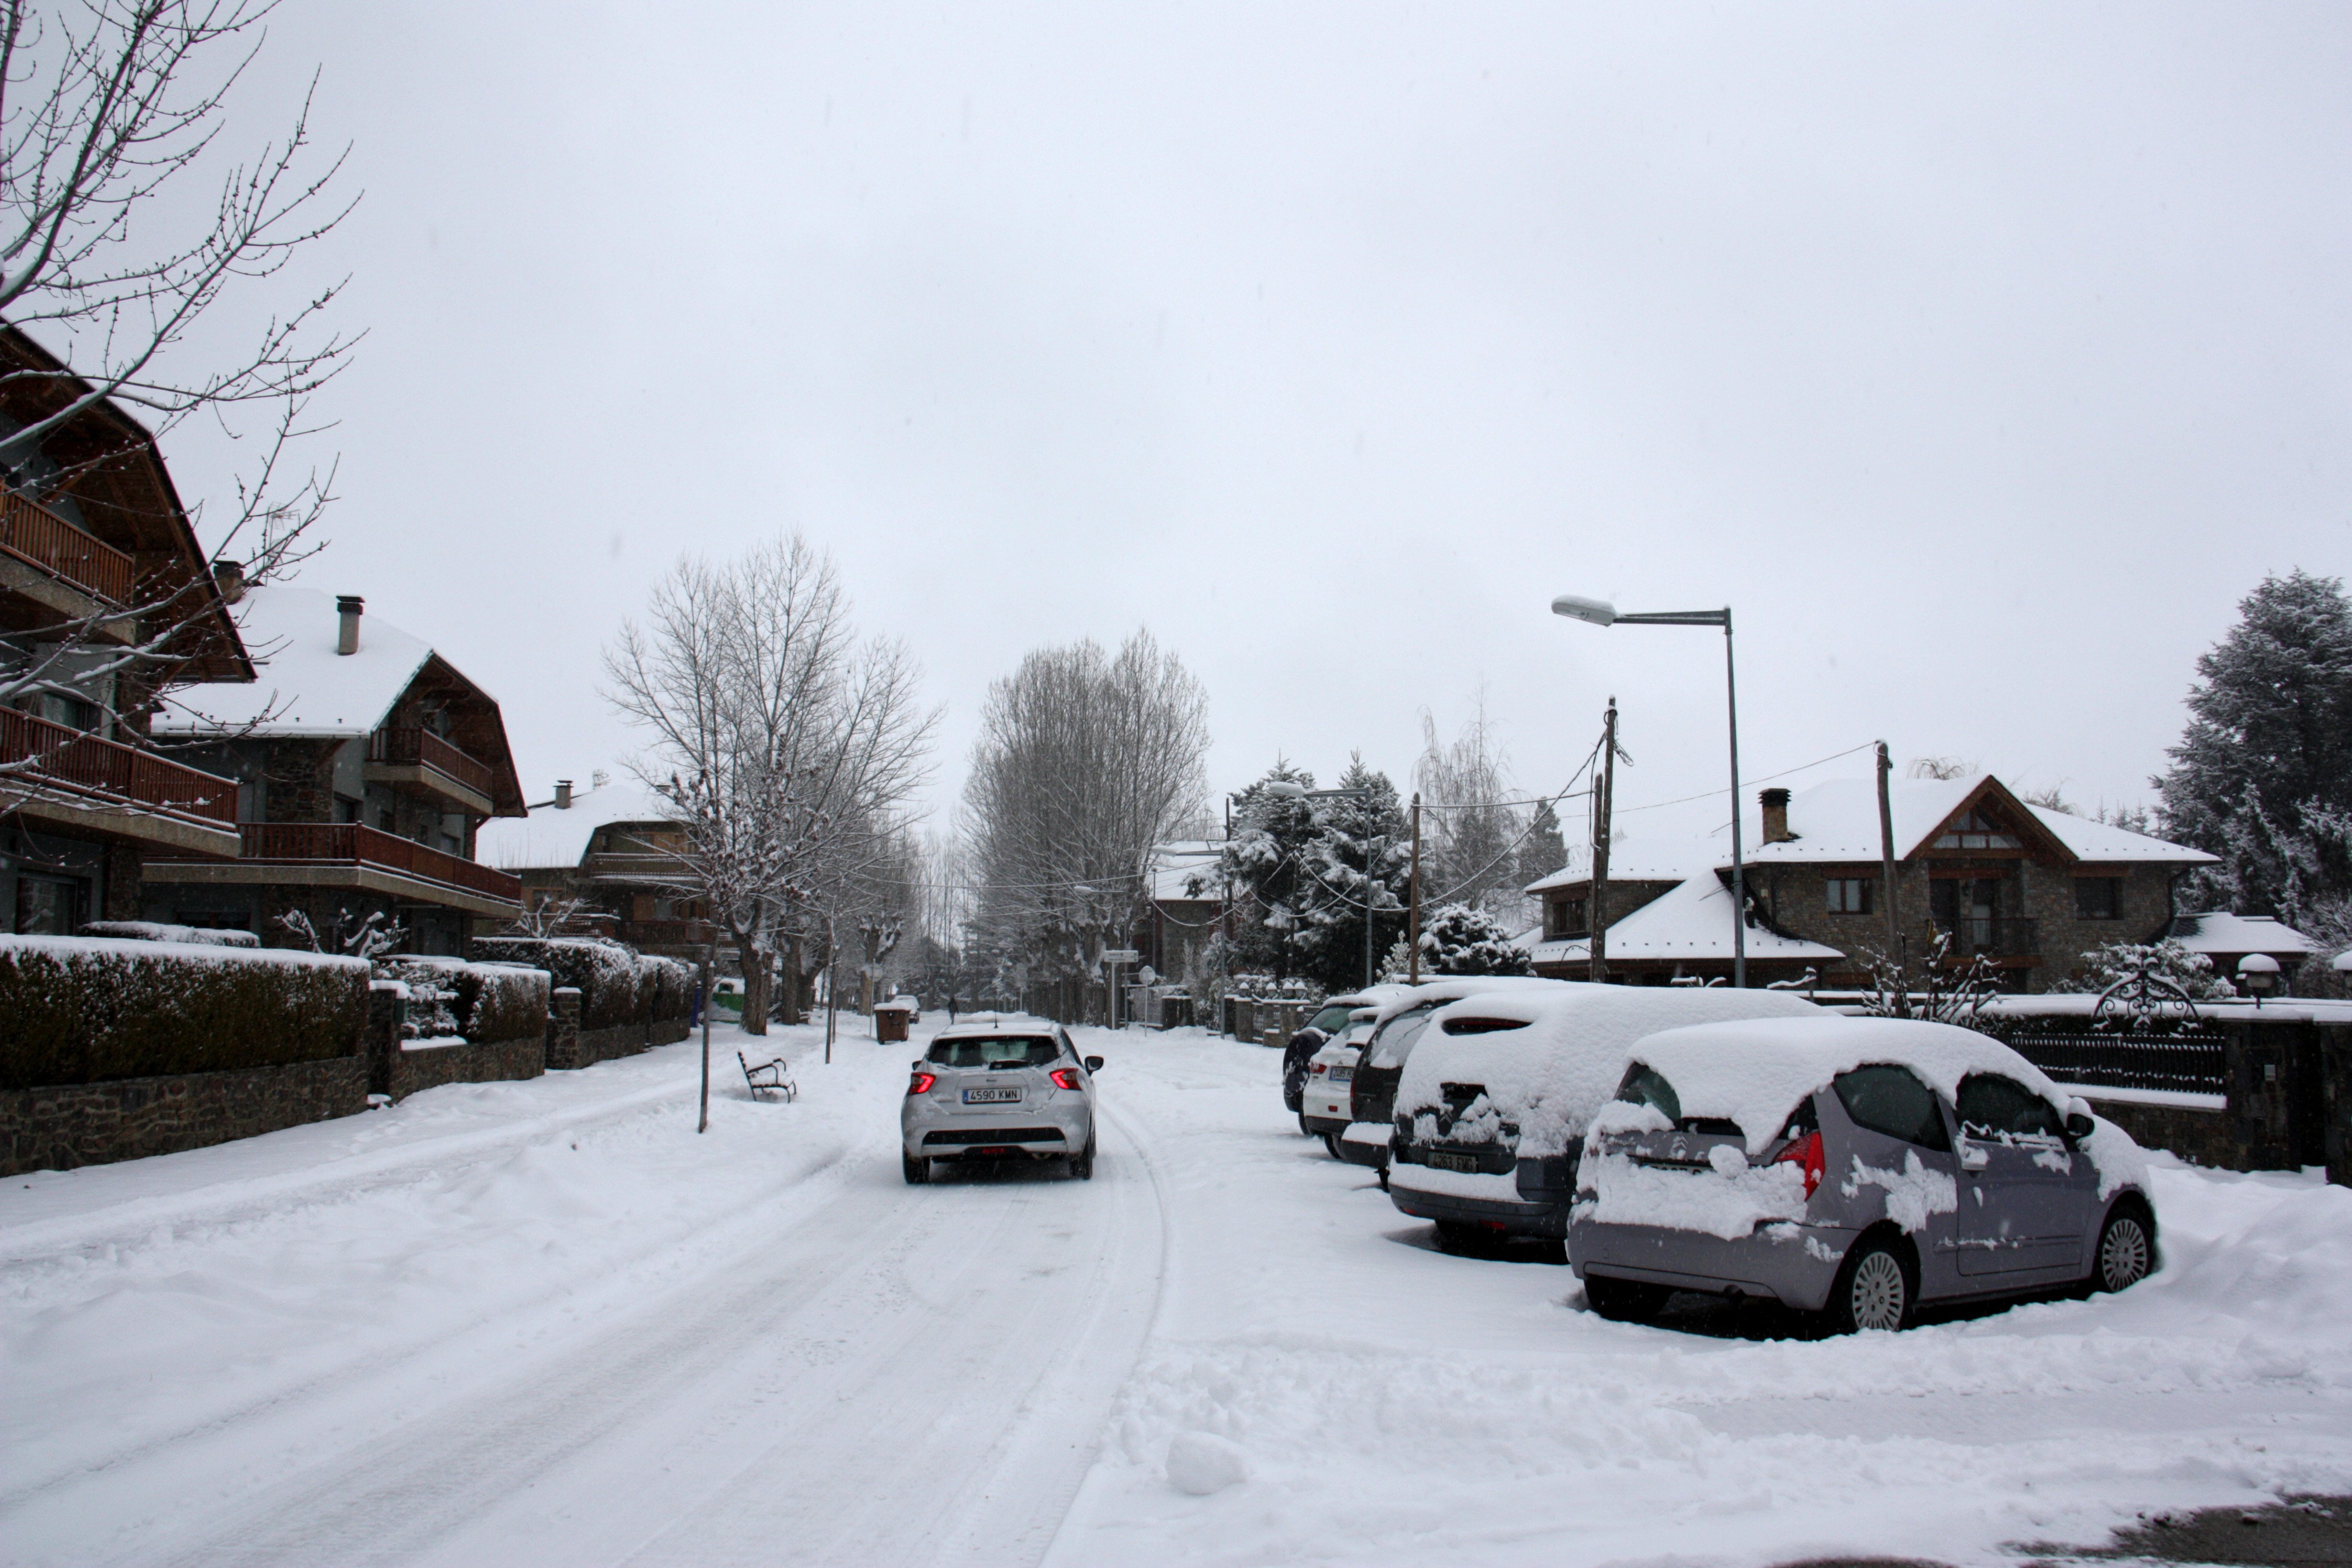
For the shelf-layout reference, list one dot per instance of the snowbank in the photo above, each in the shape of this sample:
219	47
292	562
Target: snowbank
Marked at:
1560	1066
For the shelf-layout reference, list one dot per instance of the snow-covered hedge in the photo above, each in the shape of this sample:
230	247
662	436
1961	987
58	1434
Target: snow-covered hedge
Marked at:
483	1002
153	930
617	983
88	1009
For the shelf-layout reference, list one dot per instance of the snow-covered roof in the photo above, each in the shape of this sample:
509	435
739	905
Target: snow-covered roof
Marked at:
549	838
1635	859
2219	932
305	688
1692	921
1837	820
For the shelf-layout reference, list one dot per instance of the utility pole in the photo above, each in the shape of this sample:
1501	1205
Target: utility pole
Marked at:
1596	917
1373	847
1886	884
1413	938
709	968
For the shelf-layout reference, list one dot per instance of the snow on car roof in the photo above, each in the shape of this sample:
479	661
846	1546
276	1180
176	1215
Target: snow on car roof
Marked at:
985	1023
1553	1074
1455	987
1754	1072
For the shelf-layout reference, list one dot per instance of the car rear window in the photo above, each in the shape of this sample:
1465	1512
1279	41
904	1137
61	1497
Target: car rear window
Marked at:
1646	1086
988	1050
1329	1019
1483	1025
1890	1100
1394	1042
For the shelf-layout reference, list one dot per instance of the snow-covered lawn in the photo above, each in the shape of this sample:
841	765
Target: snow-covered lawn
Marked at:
544	1322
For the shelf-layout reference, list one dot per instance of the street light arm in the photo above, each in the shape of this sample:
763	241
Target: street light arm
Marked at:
1678	618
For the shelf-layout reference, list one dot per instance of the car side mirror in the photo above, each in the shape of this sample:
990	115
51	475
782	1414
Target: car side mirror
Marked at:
1093	1064
2080	1125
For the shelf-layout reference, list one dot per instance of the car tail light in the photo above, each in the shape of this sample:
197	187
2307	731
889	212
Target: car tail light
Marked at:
1805	1151
1064	1077
1317	1070
921	1082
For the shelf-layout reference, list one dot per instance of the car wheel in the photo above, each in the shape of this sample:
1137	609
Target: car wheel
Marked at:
1624	1301
1873	1290
1458	1240
1331	1145
1305	1131
1082	1163
917	1171
2125	1252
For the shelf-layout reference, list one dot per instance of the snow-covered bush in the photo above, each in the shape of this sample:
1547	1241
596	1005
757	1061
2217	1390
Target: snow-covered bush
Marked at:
2166	961
1459	939
153	930
88	1009
617	984
479	1002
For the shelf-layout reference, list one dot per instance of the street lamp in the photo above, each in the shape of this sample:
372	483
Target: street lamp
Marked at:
1284	789
2259	973
1601	613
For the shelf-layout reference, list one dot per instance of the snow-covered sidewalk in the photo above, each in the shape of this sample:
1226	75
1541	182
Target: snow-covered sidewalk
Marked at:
544	1322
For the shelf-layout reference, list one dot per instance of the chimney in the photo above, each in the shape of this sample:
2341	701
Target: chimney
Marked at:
228	576
349	607
563	794
1776	815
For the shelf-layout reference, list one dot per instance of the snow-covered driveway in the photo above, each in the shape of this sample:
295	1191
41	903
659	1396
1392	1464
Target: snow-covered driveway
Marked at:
543	1322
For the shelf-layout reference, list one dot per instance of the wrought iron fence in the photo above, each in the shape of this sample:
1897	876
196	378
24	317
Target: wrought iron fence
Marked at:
2190	1059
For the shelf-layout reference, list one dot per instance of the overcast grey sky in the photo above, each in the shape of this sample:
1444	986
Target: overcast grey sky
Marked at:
1981	357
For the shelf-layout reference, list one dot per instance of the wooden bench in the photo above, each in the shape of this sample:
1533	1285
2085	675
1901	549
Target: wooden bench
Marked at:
768	1076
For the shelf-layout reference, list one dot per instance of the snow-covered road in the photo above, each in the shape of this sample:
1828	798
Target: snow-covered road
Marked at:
543	1322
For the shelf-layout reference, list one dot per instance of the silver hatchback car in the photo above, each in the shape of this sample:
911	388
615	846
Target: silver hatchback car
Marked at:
996	1088
1857	1167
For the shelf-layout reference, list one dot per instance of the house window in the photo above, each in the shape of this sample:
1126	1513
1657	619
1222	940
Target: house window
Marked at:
48	906
1976	831
1850	895
1567	918
2099	897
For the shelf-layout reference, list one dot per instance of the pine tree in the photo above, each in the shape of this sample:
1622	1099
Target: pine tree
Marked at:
1266	860
1361	843
2262	775
1542	852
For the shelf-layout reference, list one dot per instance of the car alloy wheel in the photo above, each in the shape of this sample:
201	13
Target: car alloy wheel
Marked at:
917	1170
1877	1292
2124	1252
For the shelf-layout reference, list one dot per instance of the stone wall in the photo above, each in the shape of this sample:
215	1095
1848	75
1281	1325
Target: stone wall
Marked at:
127	1118
2202	1137
491	1062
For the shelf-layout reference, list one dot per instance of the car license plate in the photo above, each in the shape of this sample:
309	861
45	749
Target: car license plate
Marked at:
1342	1075
1443	1161
992	1097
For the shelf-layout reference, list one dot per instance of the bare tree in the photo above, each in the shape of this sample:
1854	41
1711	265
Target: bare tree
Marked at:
1084	761
108	111
1471	836
788	745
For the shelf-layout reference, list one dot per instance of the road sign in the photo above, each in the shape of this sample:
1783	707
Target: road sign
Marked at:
1120	956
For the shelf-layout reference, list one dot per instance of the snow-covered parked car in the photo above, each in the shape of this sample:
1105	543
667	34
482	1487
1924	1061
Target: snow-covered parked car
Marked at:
1317	1032
1371	1103
995	1088
1495	1098
1323	1106
1856	1166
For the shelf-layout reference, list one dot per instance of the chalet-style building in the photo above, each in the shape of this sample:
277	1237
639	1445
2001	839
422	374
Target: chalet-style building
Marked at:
2027	888
91	523
364	765
1186	909
611	850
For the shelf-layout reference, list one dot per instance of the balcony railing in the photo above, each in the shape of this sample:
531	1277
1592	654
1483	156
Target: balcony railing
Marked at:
350	843
421	748
39	537
38	755
1994	936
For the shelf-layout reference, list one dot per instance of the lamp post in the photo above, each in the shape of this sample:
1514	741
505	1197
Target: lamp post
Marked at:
2259	973
1286	790
1600	613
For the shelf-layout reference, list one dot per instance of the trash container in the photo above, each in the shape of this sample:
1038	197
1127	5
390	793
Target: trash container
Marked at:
891	1020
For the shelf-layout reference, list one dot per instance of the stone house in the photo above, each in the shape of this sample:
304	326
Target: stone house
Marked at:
365	764
91	523
2027	888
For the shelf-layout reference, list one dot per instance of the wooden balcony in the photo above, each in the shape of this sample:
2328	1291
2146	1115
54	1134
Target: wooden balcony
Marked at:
419	761
346	854
1993	936
67	571
66	778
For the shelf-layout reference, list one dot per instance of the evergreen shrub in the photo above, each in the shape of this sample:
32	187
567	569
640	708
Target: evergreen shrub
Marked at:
90	1009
